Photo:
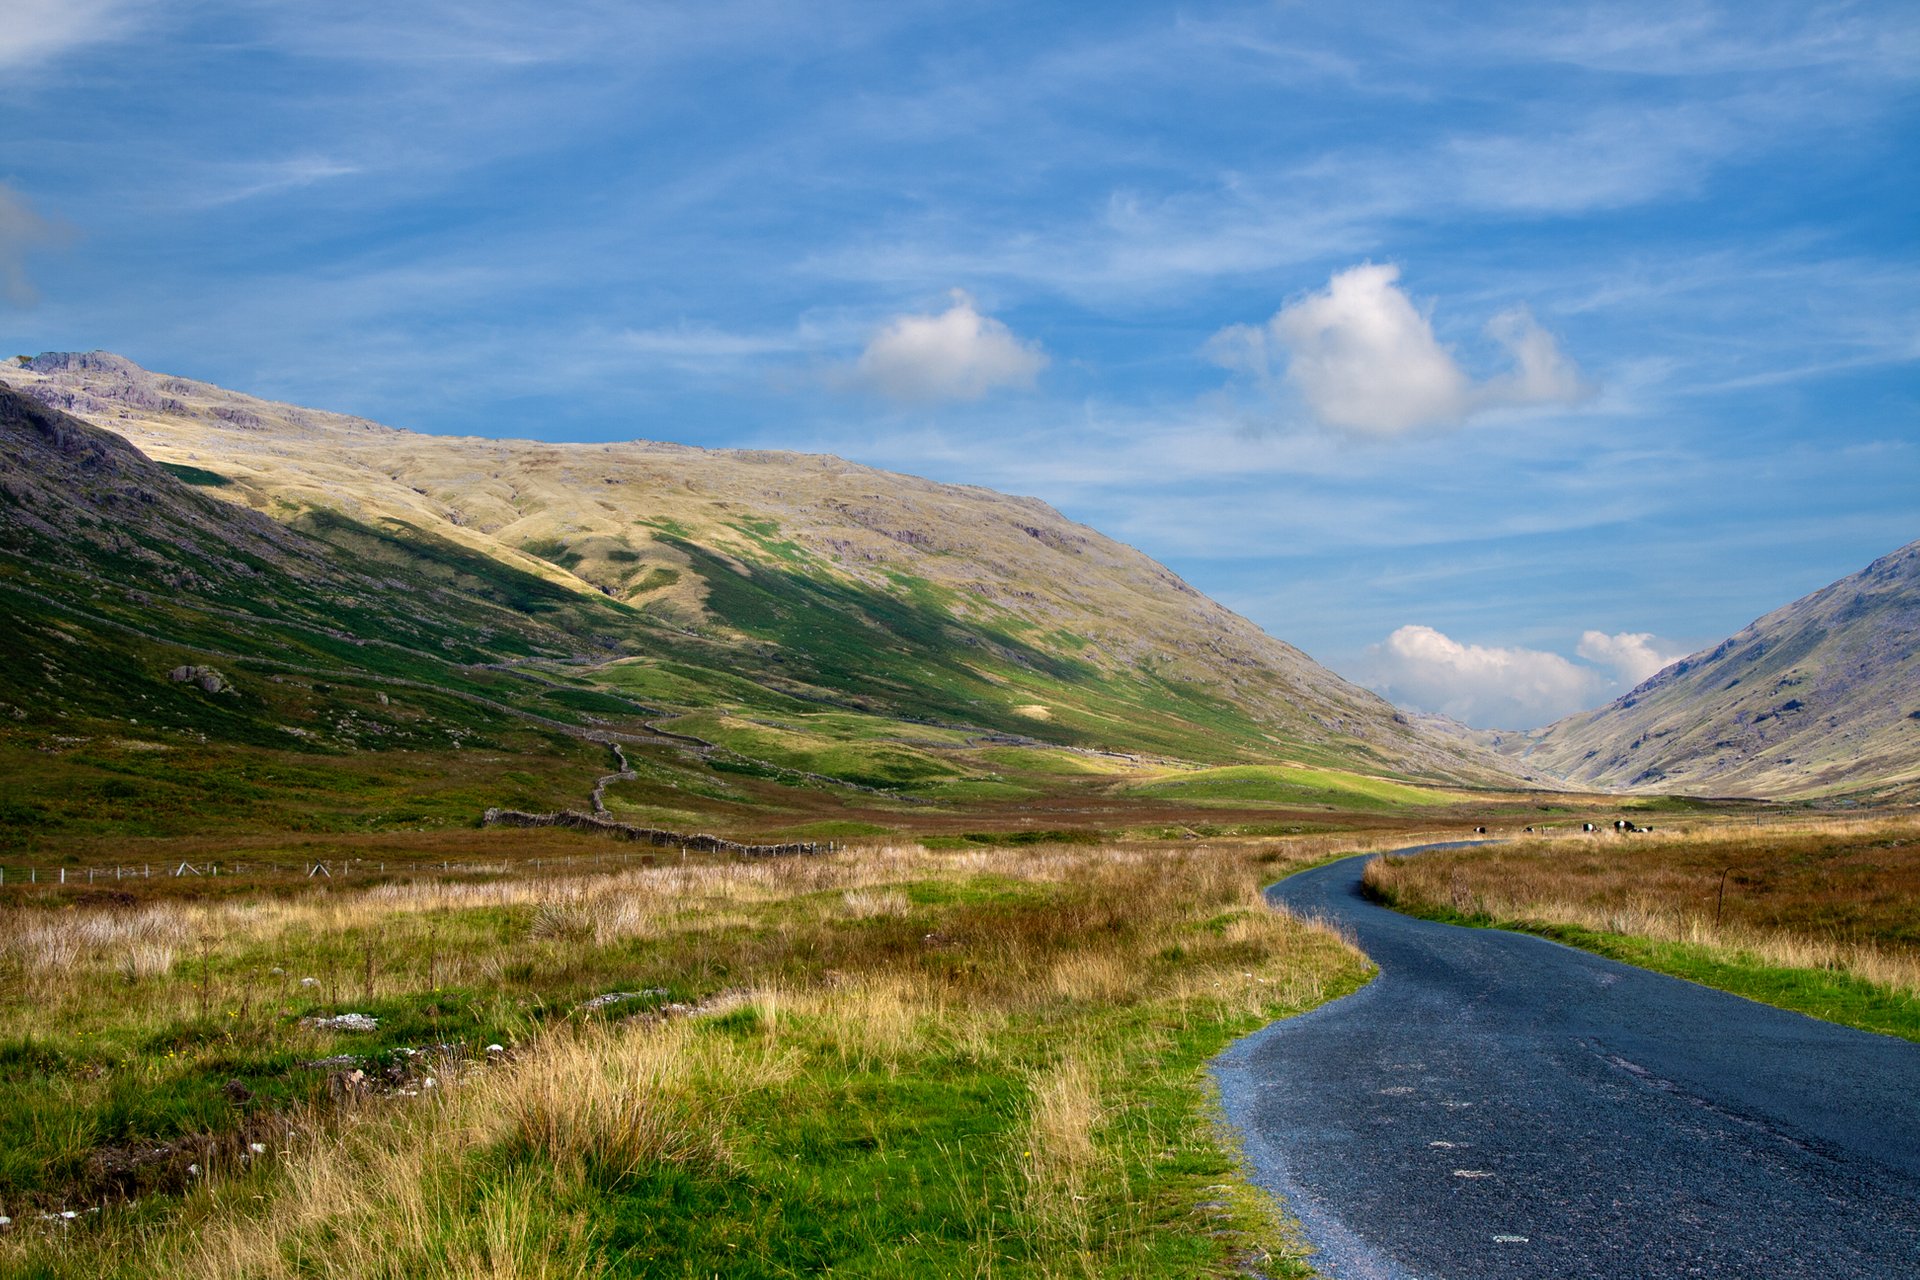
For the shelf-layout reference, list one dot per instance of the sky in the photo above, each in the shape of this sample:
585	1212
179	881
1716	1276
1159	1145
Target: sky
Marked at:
1493	354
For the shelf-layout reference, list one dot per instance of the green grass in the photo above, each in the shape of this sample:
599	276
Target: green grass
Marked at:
1281	784
195	475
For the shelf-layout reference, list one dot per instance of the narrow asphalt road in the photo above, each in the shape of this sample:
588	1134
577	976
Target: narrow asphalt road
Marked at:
1497	1105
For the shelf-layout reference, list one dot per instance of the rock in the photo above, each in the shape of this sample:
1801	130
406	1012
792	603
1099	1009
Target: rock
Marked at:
616	997
206	677
337	1061
343	1022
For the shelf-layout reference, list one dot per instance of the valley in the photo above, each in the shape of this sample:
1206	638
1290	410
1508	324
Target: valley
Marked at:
960	816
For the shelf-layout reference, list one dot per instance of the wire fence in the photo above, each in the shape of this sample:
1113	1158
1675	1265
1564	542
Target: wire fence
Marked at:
14	875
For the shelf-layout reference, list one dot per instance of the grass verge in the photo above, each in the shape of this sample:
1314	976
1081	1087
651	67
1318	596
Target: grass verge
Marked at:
1812	916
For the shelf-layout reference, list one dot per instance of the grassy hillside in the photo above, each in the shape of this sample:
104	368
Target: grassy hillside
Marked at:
806	575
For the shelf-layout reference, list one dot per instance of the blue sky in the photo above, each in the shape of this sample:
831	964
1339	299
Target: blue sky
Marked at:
1492	354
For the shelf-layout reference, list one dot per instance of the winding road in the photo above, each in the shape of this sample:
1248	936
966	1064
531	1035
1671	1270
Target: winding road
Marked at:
1497	1105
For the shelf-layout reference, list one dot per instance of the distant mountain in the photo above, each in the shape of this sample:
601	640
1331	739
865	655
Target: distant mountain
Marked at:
1820	698
803	616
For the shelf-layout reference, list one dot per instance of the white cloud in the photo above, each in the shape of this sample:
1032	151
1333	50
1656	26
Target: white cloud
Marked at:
1365	358
22	230
958	354
1633	655
1480	685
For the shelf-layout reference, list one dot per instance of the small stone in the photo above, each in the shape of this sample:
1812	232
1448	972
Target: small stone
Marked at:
496	1048
309	982
344	1022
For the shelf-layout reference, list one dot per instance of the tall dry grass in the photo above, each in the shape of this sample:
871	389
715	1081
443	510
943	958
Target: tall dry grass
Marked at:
1062	1155
388	1188
1836	894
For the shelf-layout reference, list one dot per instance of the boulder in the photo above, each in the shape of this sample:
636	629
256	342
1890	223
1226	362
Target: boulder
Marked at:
206	677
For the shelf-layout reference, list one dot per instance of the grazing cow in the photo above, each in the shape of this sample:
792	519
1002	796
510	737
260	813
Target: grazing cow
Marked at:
1479	831
1586	826
1529	830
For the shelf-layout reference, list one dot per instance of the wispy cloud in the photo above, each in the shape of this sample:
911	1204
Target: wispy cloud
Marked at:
1693	39
22	231
34	33
251	181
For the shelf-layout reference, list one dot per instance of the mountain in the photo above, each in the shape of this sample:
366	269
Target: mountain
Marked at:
1819	698
798	623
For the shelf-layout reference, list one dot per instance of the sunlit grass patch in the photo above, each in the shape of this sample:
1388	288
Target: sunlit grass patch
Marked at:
1284	784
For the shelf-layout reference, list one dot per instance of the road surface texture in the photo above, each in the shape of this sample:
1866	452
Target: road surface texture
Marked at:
1497	1105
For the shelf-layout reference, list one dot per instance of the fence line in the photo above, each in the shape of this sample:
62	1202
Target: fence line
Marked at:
20	875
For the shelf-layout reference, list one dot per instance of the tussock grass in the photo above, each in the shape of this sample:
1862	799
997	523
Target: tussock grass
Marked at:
403	1190
1062	1154
866	903
1712	902
886	1062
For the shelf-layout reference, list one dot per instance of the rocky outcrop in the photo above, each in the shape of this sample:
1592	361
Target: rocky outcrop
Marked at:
1816	698
206	677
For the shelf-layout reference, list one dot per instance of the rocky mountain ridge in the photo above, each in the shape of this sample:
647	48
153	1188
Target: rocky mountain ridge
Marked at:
1819	698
